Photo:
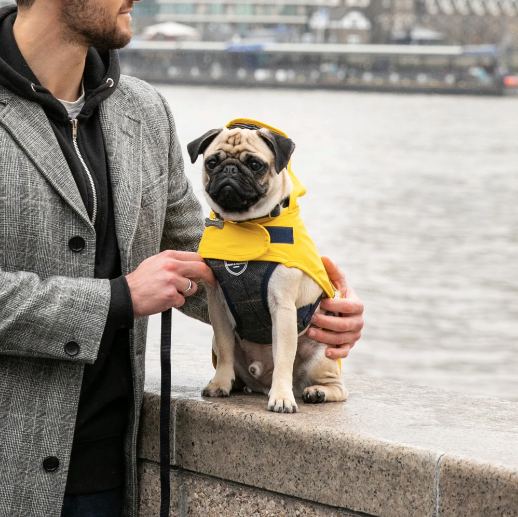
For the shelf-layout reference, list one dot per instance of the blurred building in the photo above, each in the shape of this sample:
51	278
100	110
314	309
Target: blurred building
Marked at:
463	22
348	26
341	21
471	22
170	31
226	19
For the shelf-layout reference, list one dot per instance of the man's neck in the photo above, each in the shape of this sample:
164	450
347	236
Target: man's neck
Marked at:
58	64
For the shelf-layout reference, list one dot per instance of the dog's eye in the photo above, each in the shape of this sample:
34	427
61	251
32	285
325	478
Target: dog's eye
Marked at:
255	165
211	164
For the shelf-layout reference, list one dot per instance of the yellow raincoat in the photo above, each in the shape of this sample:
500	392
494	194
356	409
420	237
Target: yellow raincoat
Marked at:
251	241
242	242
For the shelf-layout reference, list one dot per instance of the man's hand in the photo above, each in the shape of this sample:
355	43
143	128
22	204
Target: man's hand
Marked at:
157	284
342	331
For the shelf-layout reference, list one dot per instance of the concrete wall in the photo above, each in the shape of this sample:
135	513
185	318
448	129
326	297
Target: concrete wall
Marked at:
195	495
391	450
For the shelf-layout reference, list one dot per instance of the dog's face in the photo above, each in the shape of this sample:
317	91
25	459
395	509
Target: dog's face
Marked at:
244	170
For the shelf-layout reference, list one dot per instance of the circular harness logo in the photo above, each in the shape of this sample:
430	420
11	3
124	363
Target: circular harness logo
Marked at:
236	268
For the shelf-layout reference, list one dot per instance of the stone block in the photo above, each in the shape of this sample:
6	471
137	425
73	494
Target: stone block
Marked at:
472	489
289	455
149	490
196	495
209	497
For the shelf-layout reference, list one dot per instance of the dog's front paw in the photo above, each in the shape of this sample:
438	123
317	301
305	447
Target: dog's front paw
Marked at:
214	389
282	402
313	395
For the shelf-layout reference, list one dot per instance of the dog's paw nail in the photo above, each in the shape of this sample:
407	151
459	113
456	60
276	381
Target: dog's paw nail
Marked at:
214	391
313	396
282	405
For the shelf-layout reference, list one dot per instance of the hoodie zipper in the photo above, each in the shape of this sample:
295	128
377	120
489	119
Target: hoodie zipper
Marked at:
88	173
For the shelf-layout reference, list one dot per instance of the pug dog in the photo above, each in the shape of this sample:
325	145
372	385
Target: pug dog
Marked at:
245	178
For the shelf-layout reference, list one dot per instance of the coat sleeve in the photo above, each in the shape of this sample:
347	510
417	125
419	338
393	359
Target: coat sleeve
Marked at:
56	318
183	225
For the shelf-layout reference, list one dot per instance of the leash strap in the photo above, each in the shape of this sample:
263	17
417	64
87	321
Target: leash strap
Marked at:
165	413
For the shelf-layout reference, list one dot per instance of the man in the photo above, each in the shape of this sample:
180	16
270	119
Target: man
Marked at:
93	200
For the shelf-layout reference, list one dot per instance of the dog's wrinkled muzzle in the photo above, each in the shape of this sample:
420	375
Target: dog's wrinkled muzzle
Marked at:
233	190
229	198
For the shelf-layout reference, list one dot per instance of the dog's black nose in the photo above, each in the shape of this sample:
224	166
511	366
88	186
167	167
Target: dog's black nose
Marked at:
230	170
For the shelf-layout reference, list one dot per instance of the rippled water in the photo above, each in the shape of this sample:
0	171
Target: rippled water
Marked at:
416	198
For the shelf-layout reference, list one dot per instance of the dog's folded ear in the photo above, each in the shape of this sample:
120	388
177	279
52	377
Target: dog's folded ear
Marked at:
281	146
198	146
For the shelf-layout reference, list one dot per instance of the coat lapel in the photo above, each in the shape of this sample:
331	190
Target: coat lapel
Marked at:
123	141
30	128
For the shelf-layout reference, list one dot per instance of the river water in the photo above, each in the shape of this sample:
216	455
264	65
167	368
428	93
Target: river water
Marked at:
416	198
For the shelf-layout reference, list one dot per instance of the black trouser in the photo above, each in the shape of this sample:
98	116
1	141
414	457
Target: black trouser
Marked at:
99	504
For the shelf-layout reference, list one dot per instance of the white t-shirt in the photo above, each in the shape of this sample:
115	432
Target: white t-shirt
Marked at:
74	108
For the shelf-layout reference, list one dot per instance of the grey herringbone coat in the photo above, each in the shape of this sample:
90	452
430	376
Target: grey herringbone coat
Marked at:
48	295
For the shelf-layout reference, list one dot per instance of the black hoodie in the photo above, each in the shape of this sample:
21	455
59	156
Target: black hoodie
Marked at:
97	461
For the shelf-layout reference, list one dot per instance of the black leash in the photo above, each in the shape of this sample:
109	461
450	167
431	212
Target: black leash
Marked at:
165	413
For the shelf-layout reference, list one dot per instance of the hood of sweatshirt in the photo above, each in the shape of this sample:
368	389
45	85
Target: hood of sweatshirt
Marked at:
101	75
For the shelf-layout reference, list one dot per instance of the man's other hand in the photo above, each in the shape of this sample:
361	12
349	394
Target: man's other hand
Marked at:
157	284
344	330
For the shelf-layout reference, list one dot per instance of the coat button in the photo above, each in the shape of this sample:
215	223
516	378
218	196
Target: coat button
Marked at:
76	244
72	348
51	464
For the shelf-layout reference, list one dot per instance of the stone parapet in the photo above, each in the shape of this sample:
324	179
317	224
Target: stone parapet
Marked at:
196	495
392	450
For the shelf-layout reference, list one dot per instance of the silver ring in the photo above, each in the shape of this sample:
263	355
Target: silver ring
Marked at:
188	289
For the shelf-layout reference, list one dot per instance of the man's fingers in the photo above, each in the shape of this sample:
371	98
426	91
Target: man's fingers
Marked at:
192	291
335	274
337	324
186	256
338	353
207	276
334	338
174	298
194	270
342	305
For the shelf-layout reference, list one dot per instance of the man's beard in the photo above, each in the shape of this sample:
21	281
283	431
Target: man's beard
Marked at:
90	24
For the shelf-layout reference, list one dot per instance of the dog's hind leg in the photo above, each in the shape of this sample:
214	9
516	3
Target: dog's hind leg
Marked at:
328	387
223	344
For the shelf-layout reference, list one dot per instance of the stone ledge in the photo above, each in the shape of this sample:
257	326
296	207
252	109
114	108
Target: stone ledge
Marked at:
198	495
391	450
469	488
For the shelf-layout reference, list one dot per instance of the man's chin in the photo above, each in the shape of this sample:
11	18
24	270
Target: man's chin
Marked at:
124	30
120	41
126	40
